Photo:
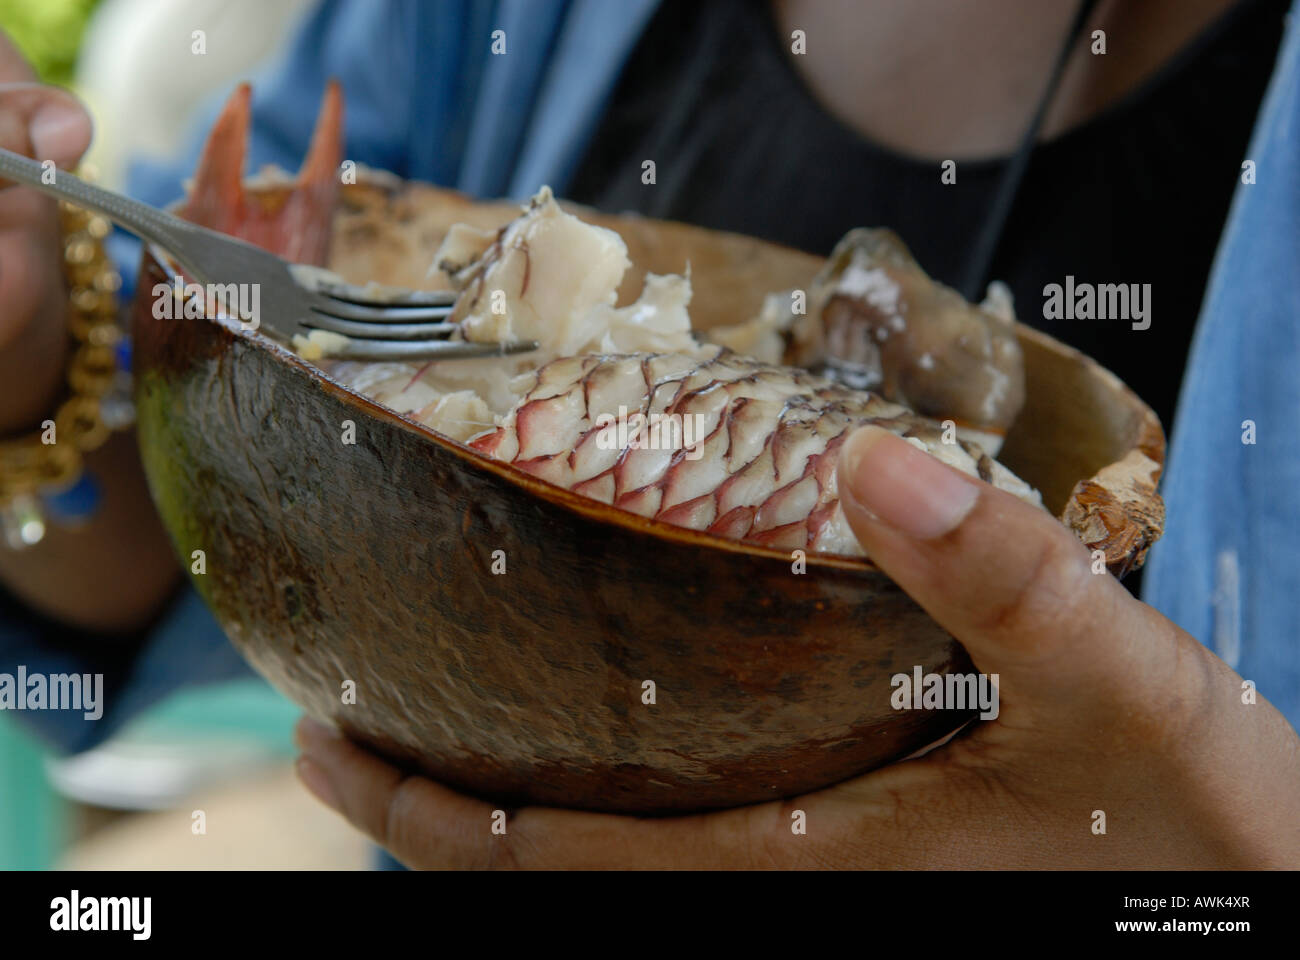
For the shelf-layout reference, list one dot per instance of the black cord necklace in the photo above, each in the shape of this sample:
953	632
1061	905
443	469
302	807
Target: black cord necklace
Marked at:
985	247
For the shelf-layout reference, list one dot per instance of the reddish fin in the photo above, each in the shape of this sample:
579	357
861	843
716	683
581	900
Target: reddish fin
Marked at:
217	195
293	222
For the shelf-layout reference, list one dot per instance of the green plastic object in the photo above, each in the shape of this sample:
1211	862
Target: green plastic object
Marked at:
31	814
243	709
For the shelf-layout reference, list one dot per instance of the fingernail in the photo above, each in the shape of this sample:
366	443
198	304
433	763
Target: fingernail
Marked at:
314	779
903	487
58	132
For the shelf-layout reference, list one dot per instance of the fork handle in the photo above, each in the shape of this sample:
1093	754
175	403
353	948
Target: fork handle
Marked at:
144	221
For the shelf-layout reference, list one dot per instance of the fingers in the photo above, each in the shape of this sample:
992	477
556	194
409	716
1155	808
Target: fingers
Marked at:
32	337
1005	578
13	68
894	817
44	123
426	825
418	821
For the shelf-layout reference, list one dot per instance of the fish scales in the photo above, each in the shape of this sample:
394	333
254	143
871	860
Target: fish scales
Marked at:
760	466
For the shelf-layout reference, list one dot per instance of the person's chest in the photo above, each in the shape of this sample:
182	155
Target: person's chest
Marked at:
736	141
945	79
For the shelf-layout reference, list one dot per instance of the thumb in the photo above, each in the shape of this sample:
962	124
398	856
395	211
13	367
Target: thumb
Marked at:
44	123
1002	576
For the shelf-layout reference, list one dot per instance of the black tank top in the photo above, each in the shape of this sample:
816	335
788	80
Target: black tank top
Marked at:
1138	194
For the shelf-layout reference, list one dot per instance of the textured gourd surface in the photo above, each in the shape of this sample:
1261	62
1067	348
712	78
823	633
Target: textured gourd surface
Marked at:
373	562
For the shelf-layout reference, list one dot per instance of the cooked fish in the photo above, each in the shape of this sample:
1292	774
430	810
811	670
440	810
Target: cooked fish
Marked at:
626	405
721	443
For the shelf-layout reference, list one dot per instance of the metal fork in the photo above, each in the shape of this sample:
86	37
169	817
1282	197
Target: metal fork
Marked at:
414	327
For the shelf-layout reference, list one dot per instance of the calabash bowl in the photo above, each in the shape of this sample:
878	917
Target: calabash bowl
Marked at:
520	642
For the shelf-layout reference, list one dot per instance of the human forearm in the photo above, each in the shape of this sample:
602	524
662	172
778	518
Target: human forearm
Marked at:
114	572
111	574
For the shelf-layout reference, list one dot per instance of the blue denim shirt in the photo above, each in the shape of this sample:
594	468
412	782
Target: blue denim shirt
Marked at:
436	104
1228	567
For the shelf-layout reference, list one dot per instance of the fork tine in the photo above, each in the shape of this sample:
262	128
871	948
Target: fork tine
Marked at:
399	313
206	256
349	293
366	349
380	331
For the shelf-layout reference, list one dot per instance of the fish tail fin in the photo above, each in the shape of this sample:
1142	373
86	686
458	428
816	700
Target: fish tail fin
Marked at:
292	221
